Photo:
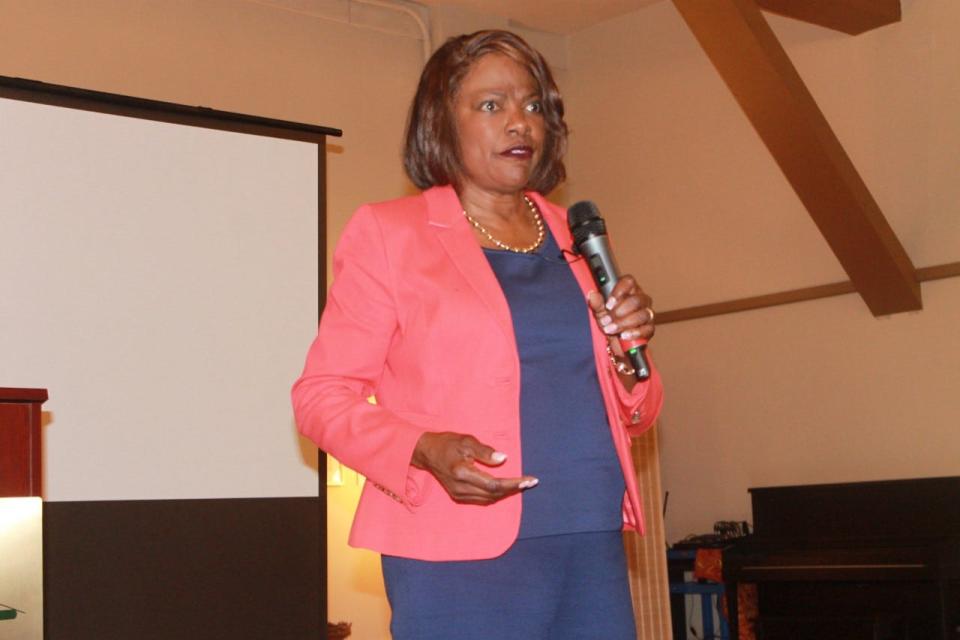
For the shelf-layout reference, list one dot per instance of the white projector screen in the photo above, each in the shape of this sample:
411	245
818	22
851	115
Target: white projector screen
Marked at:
161	281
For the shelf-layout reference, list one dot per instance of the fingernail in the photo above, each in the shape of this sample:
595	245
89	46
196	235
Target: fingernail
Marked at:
498	456
611	329
630	334
526	484
611	303
605	320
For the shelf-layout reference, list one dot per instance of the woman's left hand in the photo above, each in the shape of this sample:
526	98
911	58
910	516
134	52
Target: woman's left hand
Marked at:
626	314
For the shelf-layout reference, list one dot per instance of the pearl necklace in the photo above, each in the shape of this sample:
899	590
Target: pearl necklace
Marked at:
537	218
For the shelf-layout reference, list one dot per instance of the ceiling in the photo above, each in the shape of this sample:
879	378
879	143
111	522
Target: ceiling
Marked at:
553	16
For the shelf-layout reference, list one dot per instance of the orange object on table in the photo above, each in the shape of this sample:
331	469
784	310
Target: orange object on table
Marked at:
708	565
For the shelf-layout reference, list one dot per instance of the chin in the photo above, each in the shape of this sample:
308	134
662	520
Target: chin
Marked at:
515	183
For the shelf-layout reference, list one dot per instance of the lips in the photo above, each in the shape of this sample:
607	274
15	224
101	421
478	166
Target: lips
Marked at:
520	152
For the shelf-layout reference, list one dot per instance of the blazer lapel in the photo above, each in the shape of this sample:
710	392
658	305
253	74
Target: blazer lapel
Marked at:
445	214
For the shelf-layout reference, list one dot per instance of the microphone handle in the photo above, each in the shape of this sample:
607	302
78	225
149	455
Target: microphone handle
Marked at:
638	357
599	258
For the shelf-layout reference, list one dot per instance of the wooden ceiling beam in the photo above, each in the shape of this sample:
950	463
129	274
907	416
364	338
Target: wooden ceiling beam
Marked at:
753	64
848	16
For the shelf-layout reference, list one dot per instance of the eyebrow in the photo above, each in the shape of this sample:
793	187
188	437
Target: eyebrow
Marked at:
503	94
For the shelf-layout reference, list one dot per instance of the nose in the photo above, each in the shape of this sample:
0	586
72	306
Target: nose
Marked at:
518	122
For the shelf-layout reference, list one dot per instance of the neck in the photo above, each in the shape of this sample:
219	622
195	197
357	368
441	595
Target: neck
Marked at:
504	221
492	206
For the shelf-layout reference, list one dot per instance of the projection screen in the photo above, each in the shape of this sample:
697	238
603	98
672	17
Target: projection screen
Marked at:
161	281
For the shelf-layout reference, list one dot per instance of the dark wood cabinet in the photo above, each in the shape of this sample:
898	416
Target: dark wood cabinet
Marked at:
20	464
872	560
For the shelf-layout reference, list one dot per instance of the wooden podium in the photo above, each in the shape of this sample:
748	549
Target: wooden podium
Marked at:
20	470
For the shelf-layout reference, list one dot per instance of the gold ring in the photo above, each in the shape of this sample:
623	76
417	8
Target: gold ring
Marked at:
652	314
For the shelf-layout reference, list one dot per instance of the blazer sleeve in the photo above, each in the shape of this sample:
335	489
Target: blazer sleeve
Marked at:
346	361
639	407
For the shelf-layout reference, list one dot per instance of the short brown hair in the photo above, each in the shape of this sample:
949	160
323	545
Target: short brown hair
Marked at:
431	154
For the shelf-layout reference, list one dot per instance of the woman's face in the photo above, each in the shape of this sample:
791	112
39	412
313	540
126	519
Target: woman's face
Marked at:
500	125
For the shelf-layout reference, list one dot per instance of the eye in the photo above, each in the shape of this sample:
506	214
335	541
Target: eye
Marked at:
535	107
488	105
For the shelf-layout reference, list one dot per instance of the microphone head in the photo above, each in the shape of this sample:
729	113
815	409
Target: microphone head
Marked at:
585	222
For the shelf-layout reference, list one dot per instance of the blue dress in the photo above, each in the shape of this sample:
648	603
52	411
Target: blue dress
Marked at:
565	576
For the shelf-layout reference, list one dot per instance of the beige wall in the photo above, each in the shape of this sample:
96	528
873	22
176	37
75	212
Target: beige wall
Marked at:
812	392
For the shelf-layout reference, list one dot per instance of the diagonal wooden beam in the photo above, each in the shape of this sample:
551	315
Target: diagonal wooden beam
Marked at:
848	16
771	93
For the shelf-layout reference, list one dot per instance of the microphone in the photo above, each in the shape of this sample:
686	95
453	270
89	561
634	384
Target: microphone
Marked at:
590	241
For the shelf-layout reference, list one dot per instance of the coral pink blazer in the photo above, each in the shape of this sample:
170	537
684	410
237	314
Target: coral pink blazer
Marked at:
416	317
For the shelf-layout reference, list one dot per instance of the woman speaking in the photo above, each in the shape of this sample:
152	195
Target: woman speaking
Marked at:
498	451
